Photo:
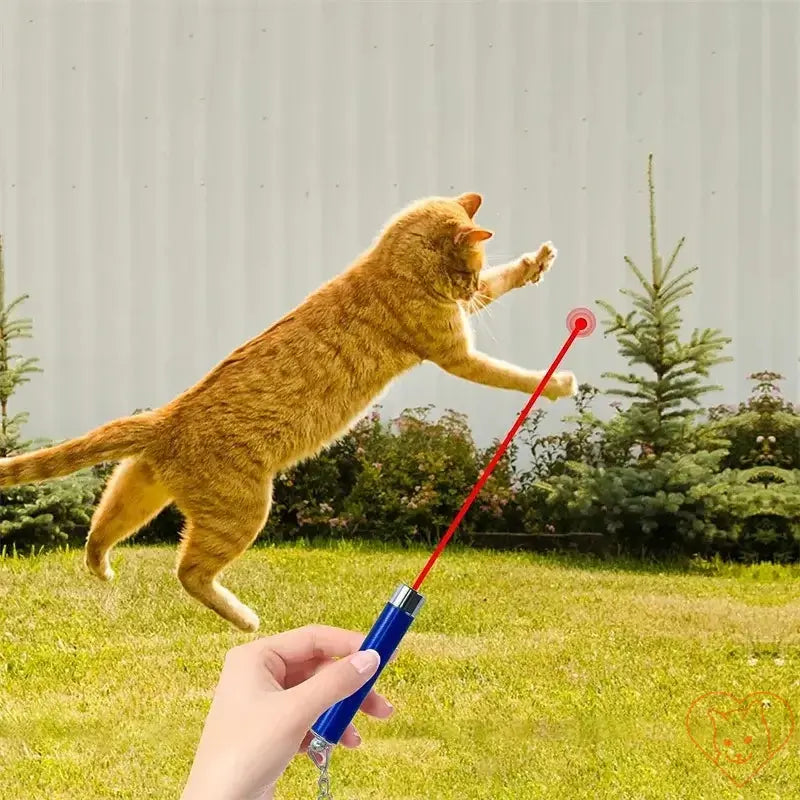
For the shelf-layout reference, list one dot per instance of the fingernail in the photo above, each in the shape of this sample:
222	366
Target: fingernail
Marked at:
357	738
389	706
365	660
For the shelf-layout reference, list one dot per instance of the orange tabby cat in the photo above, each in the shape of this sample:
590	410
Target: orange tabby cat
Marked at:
291	390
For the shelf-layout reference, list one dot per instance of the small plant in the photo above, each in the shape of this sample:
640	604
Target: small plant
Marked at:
34	514
665	401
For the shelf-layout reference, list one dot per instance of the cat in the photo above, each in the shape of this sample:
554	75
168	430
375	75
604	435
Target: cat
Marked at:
292	390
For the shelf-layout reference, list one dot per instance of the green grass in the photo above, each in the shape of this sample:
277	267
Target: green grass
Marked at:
524	676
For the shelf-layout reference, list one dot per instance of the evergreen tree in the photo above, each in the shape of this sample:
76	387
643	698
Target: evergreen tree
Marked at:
35	514
14	369
661	413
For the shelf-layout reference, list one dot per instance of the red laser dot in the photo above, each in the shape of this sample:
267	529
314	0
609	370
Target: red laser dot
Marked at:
581	321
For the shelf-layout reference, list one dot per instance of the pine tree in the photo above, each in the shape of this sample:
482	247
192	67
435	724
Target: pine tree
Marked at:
35	514
661	413
14	369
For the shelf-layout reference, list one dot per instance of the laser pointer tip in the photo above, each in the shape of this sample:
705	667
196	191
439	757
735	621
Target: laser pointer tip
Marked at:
581	324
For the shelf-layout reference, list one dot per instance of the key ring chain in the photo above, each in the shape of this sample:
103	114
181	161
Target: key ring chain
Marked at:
320	753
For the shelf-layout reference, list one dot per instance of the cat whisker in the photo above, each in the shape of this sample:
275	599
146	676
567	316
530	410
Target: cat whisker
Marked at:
480	302
488	330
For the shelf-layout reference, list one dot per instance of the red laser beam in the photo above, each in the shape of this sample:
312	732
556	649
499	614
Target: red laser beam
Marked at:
580	324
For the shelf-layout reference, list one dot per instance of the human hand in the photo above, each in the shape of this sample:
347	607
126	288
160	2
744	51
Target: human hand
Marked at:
270	692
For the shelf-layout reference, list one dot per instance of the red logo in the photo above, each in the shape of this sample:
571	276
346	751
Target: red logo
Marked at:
740	737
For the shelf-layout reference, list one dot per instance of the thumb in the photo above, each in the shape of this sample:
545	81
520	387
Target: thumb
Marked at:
336	682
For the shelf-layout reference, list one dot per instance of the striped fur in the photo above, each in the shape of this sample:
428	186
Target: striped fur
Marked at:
110	442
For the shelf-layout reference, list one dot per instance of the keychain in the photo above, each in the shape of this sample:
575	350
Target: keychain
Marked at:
320	752
394	621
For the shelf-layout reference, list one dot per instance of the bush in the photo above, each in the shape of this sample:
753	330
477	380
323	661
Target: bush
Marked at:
740	500
402	480
308	499
415	475
46	514
763	431
759	508
645	509
405	479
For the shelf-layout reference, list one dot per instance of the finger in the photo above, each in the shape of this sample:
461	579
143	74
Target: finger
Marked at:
284	652
376	705
334	683
313	642
293	673
351	738
297	673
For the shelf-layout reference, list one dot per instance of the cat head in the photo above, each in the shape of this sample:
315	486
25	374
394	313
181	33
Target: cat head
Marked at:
739	735
440	243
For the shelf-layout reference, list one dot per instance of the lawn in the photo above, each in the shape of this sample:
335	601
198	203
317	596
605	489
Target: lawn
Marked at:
524	677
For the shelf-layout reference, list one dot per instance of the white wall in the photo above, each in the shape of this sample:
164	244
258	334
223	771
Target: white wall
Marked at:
176	175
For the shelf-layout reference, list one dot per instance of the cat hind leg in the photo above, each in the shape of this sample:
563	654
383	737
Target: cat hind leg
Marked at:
211	542
132	497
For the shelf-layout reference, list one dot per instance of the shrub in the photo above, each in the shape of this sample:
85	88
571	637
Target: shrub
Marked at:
46	514
758	508
402	480
647	511
764	430
414	477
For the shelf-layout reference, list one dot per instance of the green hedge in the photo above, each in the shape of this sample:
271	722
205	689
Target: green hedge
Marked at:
403	481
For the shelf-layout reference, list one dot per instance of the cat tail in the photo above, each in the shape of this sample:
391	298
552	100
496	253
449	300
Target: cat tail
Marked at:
110	442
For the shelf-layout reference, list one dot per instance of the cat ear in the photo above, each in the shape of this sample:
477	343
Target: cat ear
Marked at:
716	717
756	706
471	235
470	202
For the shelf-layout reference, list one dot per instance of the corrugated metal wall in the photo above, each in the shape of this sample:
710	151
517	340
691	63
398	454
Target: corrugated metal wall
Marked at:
176	175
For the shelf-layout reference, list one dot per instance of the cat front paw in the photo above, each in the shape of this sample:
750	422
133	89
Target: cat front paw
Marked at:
562	384
532	266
